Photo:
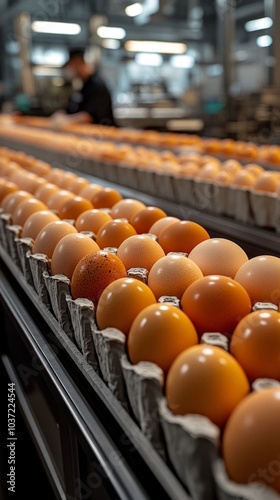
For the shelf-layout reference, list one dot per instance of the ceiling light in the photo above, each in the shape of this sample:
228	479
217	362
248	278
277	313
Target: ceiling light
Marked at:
48	57
259	24
185	61
46	71
133	10
111	32
155	47
110	43
148	59
264	41
56	28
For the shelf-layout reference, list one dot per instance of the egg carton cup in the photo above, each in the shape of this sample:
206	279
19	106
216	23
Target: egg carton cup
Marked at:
215	339
82	316
127	176
110	346
219	202
144	384
266	209
39	264
138	273
183	190
229	490
5	219
92	167
146	181
164	186
25	245
204	194
12	232
192	443
58	287
110	171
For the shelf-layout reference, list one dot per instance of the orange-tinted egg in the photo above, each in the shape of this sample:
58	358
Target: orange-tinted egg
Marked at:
260	277
145	218
121	302
251	440
73	207
255	344
215	304
182	236
139	251
106	198
49	236
69	251
198	382
113	233
218	256
158	334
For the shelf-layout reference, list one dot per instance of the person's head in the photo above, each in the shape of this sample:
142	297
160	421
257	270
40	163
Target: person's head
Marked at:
76	66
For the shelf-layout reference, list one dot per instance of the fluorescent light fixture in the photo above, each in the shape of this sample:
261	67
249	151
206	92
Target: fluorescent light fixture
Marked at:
110	43
184	61
133	10
155	47
56	28
148	59
48	57
264	41
111	32
259	24
46	71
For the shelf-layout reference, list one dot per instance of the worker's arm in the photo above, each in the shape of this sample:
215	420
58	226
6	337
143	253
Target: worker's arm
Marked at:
60	118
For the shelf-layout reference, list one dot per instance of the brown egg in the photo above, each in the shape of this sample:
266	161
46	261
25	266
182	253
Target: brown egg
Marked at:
126	208
78	184
57	200
45	192
36	222
73	207
7	187
27	208
66	179
243	178
89	191
69	251
49	236
92	220
251	441
12	200
268	182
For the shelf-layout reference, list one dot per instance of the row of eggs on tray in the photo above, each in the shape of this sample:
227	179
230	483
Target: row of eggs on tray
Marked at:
266	153
216	287
189	164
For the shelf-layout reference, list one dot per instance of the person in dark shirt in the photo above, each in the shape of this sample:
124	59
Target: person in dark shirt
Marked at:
92	103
